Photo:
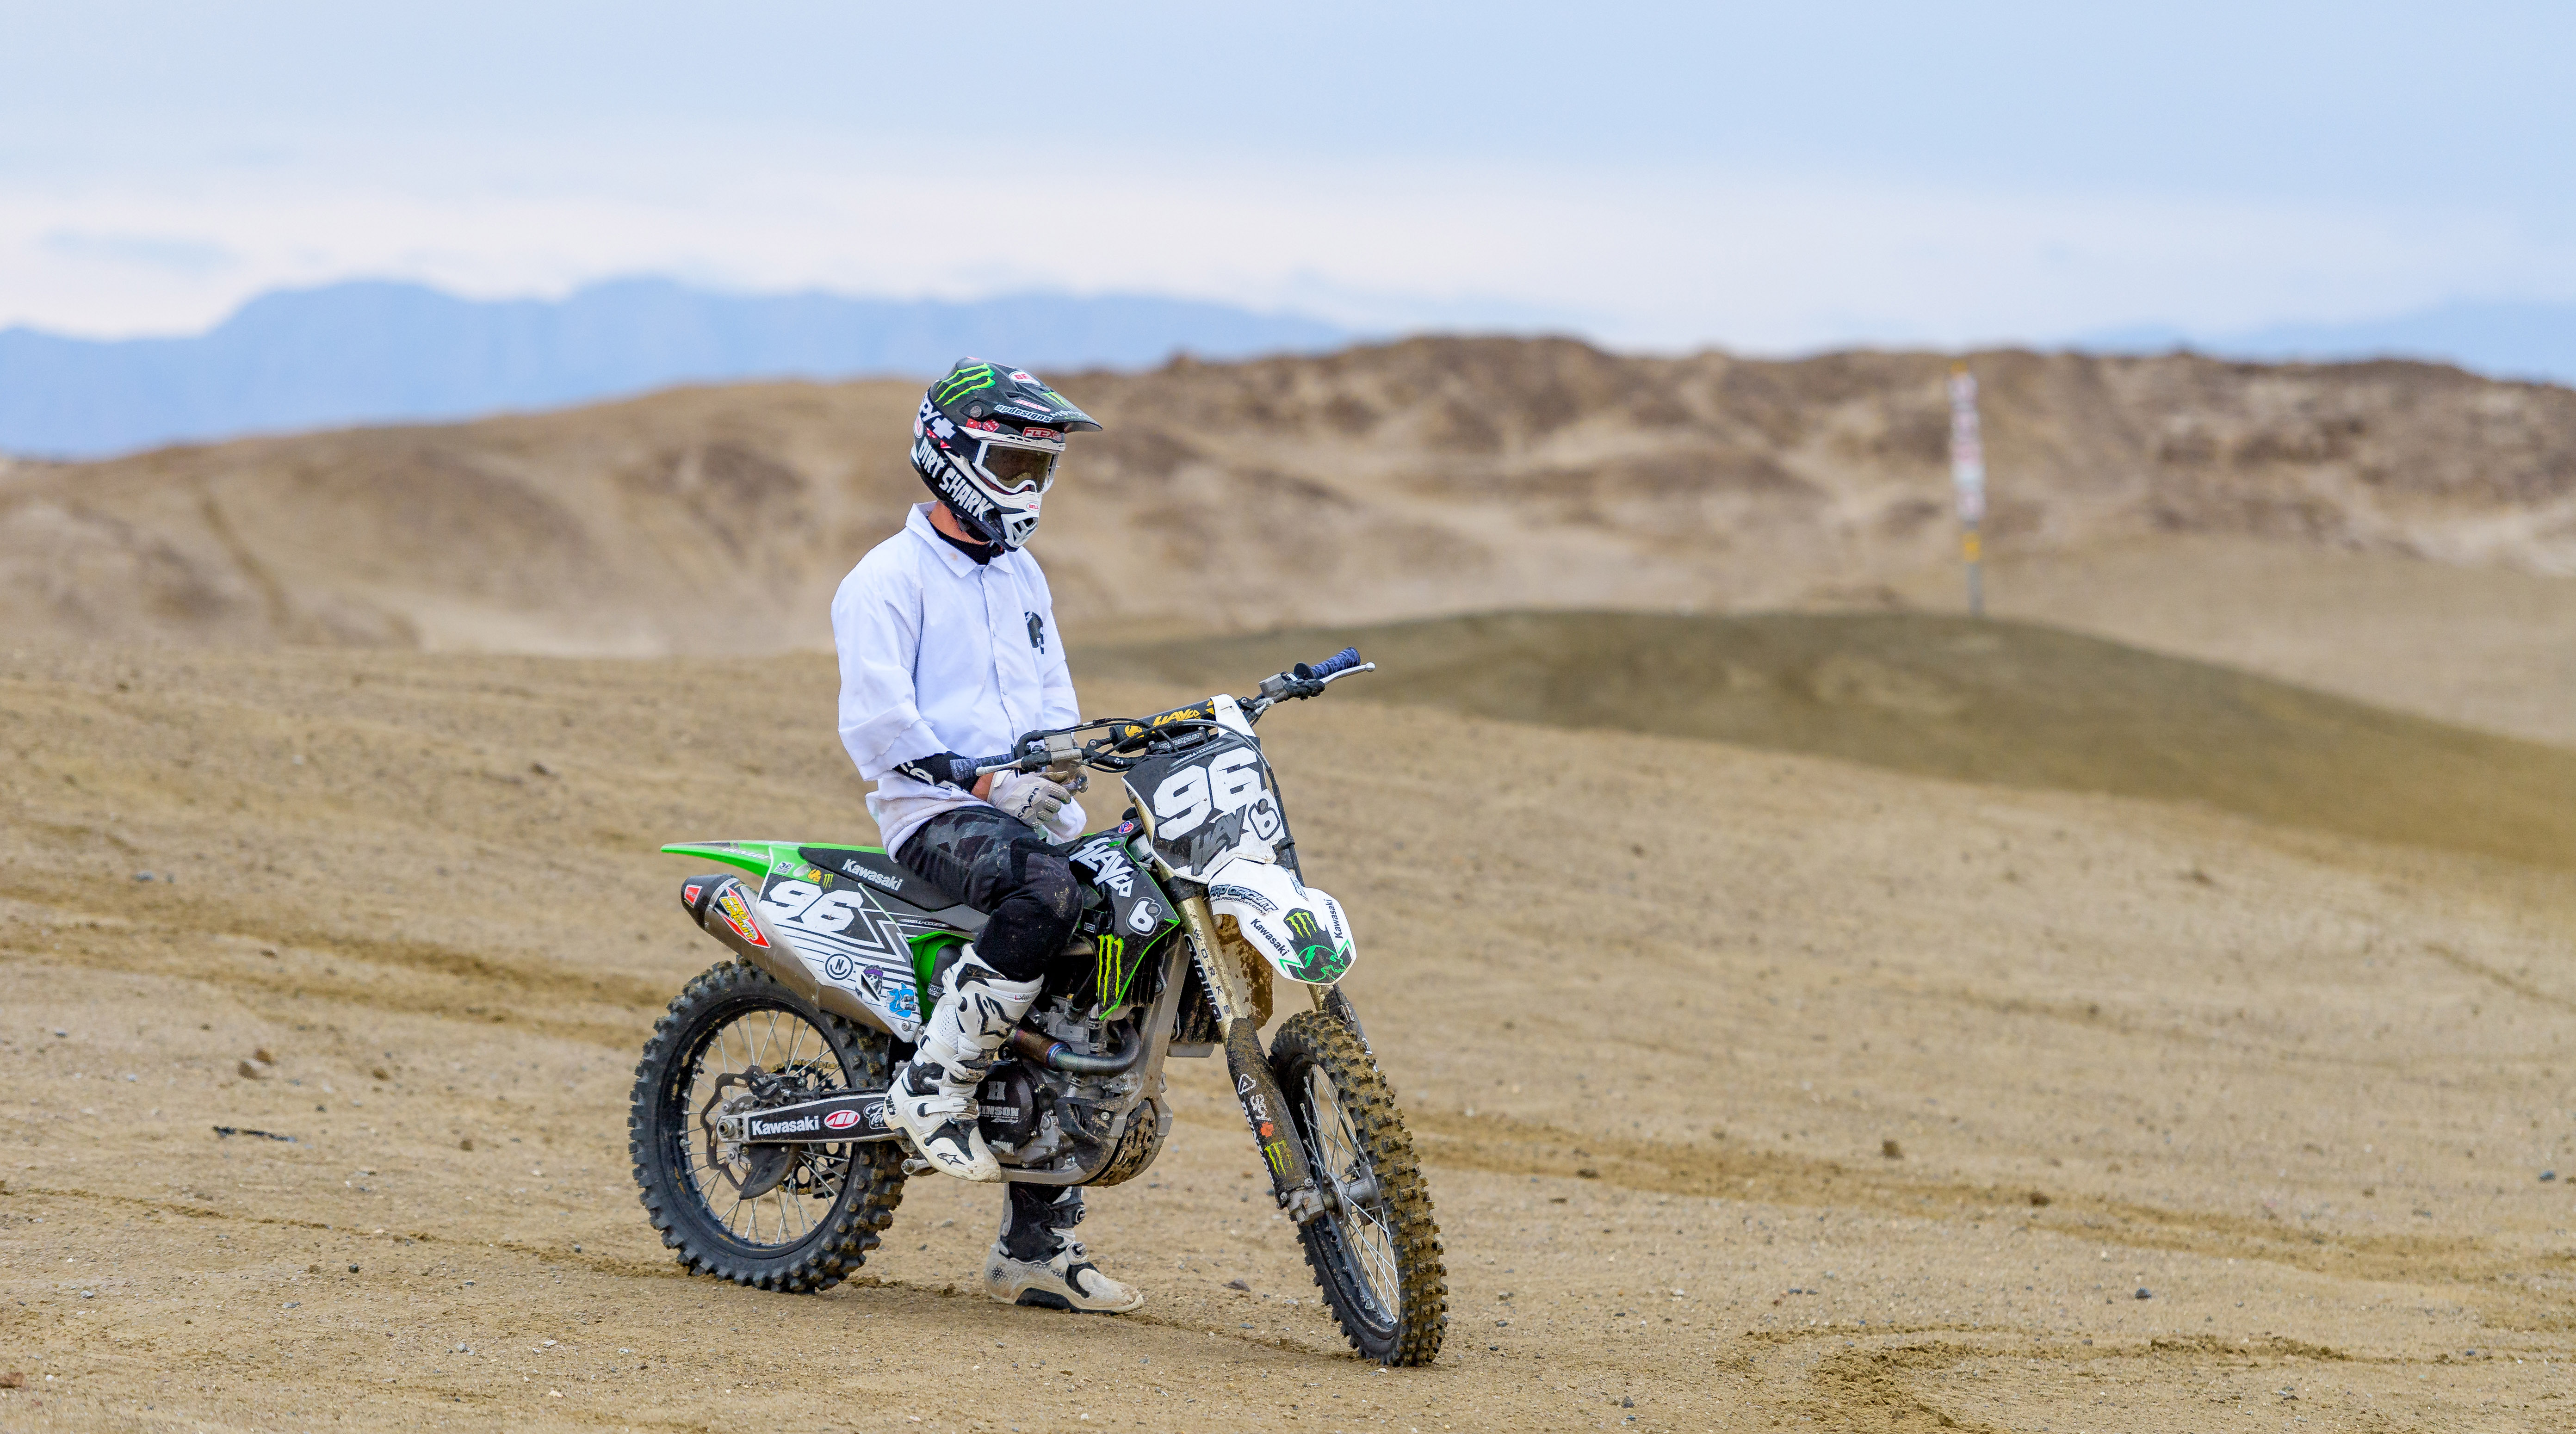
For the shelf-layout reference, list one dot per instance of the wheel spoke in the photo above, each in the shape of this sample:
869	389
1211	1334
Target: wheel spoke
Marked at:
1364	1235
754	1039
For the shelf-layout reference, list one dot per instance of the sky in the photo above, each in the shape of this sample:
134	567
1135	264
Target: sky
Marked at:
1769	178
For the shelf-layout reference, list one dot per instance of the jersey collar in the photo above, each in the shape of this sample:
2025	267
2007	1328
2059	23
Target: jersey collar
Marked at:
918	524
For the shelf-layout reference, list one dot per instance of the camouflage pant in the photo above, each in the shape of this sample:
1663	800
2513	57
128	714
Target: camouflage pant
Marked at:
1000	867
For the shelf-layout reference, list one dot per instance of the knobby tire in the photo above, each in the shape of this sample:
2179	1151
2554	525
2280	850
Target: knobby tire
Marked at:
1410	1333
661	1129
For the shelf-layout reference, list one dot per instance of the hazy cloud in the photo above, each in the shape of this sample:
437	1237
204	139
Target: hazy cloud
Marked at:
1664	176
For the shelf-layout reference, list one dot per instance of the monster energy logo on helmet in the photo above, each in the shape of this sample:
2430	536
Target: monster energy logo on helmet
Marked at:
962	381
986	443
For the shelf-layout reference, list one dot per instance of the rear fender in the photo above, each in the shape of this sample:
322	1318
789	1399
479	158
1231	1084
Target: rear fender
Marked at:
827	939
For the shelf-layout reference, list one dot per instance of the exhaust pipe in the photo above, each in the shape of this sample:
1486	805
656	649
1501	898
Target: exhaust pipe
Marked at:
1055	1055
722	905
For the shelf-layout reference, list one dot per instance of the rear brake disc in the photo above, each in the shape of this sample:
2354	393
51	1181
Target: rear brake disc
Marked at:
752	1170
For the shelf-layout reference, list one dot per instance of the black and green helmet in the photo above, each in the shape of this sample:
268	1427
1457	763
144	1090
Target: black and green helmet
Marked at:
986	442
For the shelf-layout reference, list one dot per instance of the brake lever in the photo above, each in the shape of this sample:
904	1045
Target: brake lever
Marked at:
1346	672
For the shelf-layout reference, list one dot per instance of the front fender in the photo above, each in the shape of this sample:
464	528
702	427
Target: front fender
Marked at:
1299	929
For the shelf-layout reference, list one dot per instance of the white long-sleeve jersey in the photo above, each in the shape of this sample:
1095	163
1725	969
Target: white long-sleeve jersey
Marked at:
942	654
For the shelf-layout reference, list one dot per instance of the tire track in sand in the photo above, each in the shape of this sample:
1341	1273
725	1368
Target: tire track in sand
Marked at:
400	976
2499	1279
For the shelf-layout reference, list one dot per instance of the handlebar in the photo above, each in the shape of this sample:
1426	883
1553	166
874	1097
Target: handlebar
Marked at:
1331	667
1041	751
1310	679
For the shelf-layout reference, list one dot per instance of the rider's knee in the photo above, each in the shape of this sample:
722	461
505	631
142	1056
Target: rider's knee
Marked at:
1050	882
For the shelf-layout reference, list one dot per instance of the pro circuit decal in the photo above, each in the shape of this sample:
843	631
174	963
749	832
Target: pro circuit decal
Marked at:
737	914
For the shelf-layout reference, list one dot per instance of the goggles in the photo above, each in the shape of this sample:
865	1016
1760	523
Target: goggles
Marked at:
1015	470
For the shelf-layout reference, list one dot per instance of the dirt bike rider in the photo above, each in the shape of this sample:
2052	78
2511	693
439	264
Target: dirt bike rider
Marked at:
949	649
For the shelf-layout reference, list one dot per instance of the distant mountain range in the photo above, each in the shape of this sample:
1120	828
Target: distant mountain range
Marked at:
2517	340
374	352
379	352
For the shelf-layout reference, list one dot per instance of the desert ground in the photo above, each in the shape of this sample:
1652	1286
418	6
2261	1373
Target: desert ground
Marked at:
1756	1089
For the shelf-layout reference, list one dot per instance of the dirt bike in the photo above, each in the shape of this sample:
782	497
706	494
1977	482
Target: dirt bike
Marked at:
758	1126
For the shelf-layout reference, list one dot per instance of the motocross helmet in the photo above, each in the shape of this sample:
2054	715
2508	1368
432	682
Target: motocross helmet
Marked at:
986	442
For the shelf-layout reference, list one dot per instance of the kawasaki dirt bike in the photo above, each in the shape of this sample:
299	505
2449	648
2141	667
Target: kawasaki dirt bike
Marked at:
758	1127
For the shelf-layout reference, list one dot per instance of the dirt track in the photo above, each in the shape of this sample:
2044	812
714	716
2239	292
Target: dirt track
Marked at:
1656	1007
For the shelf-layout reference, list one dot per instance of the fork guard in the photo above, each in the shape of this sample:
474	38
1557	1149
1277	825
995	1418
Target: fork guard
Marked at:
1299	929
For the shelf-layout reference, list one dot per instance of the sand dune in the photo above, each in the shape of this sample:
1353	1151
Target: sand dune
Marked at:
1994	701
2489	647
1418	479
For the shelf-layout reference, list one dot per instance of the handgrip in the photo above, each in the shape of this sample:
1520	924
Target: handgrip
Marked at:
1340	662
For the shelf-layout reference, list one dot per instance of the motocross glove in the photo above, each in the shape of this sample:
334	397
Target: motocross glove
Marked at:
941	768
1032	798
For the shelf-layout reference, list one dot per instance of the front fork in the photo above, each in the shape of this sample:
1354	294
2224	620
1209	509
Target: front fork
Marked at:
1265	1107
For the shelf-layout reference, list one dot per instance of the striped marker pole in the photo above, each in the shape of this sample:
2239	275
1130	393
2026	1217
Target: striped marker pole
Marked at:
1968	473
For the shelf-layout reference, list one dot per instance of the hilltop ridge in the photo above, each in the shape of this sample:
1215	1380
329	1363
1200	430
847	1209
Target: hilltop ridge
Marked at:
1415	479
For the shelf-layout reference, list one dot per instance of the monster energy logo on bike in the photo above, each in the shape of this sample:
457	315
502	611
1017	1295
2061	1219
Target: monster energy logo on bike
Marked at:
1318	957
1113	975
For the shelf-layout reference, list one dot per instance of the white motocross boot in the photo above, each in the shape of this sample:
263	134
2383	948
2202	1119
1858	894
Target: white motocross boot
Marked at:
932	1098
1036	1262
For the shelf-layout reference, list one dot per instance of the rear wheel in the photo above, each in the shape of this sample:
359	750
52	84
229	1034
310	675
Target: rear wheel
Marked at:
781	1217
1376	1253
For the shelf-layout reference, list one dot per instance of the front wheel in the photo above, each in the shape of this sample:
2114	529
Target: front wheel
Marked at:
1376	1252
